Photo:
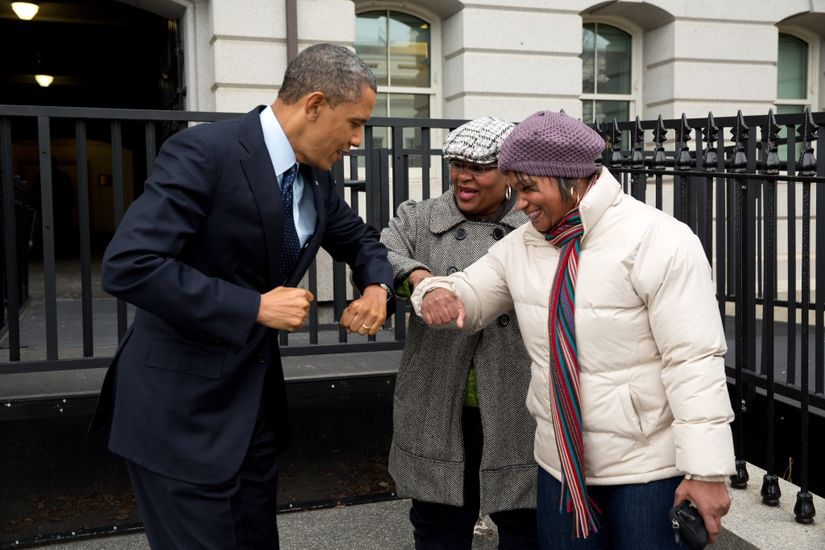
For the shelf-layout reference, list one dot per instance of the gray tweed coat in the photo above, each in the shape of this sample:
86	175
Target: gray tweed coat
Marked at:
427	456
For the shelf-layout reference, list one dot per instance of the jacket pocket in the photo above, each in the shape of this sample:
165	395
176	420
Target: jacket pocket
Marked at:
632	413
184	359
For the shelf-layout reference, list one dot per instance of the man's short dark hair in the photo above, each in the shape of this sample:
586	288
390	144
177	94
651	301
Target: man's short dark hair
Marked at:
328	68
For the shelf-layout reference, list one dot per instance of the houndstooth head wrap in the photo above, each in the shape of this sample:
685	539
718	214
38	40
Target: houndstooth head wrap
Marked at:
477	141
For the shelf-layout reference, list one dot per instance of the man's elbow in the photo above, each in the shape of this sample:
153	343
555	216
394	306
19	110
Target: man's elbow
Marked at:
115	278
109	278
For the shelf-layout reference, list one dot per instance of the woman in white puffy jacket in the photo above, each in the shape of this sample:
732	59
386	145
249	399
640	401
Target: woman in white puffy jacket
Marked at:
617	310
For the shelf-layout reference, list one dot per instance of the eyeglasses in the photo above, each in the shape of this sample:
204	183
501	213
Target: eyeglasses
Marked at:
474	169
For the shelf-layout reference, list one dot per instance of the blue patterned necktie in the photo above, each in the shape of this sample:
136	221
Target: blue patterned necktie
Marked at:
292	246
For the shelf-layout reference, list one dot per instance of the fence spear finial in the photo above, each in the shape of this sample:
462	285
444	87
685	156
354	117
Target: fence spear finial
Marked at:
659	137
739	133
637	158
807	134
682	137
616	144
710	157
769	147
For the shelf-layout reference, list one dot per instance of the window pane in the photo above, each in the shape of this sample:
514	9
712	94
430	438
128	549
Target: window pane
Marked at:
613	60
412	106
381	108
782	150
409	43
789	109
400	106
792	68
371	42
588	58
587	111
608	110
381	136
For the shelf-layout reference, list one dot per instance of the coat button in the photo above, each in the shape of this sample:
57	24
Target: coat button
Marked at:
498	233
460	234
452	270
504	320
262	358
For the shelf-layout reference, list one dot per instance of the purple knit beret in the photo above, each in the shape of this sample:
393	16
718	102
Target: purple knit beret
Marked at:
551	144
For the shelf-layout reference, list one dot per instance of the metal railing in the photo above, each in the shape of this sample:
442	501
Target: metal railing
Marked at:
751	188
726	187
23	210
136	134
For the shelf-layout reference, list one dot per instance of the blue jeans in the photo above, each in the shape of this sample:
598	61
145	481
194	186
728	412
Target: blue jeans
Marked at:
633	516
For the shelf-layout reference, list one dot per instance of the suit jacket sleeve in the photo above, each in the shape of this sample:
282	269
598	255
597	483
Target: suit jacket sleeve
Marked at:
142	263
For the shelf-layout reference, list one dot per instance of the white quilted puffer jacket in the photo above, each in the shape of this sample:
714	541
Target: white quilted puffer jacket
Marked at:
650	341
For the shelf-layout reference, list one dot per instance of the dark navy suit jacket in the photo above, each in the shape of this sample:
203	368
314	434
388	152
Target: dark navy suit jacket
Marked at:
193	254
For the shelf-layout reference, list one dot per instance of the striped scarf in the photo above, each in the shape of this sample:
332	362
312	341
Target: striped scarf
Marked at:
564	371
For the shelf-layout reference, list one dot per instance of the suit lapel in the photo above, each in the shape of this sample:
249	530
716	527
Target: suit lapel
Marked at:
260	175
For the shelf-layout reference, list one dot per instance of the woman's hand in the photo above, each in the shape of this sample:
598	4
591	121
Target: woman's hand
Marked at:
712	499
440	306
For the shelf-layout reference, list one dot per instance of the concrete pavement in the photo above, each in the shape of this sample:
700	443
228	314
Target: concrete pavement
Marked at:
375	526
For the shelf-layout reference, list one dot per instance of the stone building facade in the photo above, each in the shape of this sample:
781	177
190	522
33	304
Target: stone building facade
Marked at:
454	59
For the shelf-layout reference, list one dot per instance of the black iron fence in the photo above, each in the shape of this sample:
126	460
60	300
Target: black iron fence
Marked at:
751	187
46	141
23	210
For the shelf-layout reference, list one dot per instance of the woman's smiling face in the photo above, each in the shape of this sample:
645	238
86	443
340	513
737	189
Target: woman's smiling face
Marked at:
479	189
540	198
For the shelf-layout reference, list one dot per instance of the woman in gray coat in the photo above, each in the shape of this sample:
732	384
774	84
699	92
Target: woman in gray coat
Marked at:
463	439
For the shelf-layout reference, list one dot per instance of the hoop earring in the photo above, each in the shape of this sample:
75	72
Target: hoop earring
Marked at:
507	193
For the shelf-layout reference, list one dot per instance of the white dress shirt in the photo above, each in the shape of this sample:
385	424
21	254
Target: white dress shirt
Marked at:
283	157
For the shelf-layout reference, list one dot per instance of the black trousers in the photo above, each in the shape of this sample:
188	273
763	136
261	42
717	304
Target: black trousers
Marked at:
237	514
443	527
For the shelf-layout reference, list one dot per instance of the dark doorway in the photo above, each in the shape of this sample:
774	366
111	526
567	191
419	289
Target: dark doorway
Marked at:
102	53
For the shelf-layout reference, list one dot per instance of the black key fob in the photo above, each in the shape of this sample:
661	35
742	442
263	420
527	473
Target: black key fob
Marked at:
688	525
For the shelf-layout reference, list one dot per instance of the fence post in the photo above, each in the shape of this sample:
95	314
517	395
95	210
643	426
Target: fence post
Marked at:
739	165
616	152
659	157
681	162
710	162
8	229
637	162
804	510
771	492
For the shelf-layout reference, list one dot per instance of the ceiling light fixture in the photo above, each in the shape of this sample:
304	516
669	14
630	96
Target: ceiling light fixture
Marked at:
44	80
25	10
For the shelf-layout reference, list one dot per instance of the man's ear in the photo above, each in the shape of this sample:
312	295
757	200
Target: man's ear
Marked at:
312	104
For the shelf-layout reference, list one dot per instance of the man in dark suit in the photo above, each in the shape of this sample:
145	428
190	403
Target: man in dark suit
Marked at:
231	217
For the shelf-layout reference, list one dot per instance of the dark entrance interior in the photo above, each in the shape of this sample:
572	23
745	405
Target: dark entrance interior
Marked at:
102	53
